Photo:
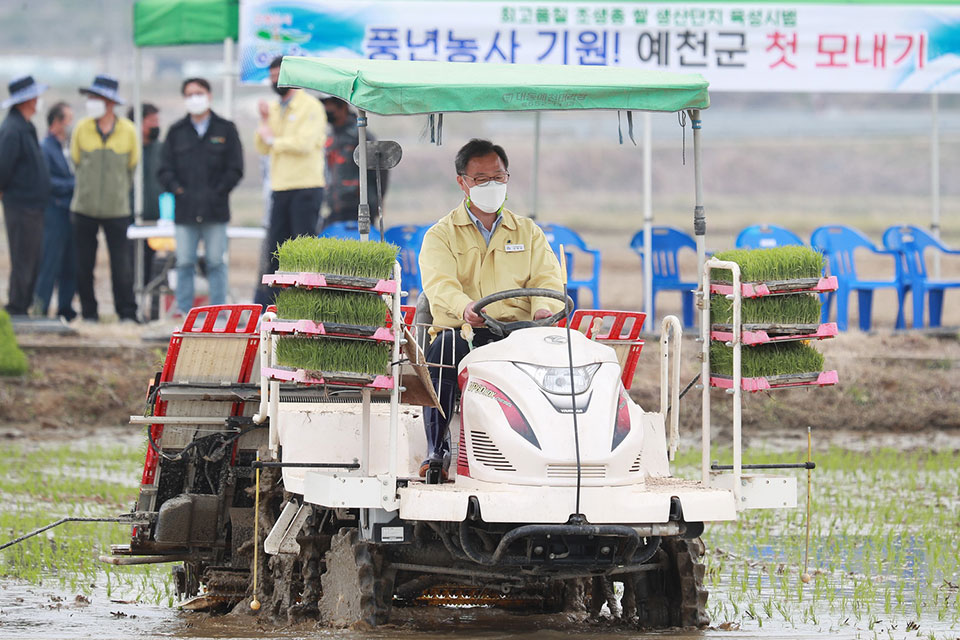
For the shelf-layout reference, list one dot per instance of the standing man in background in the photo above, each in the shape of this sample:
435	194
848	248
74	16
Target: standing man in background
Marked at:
292	131
343	174
150	134
59	264
202	163
24	189
105	150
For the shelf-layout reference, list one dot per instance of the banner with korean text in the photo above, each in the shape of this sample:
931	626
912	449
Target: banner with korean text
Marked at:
738	47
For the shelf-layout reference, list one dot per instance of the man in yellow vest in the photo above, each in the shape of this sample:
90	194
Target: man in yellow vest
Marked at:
292	132
478	249
105	151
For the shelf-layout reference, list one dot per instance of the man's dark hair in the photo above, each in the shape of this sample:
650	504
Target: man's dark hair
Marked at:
334	101
56	112
148	110
275	63
200	81
478	148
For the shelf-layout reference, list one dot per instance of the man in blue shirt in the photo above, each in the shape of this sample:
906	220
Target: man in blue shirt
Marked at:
59	263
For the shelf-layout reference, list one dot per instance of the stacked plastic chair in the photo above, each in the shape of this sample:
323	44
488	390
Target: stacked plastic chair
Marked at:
766	236
560	235
667	243
912	243
839	243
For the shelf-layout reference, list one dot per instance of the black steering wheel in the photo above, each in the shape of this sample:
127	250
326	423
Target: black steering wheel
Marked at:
505	328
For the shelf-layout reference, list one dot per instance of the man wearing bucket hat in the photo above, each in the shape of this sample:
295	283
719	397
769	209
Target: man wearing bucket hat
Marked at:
105	151
25	188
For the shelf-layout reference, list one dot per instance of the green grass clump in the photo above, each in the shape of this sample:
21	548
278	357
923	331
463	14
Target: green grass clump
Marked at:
330	305
777	263
340	257
329	354
766	359
801	308
13	362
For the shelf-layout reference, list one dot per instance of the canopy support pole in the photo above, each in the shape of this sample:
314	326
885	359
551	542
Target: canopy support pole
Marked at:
699	219
363	211
138	253
700	231
535	172
648	219
228	70
935	177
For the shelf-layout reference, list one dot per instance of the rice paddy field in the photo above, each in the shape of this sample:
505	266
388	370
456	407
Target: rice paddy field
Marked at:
883	554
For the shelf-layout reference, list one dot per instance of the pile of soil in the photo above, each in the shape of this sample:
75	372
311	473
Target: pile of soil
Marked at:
77	388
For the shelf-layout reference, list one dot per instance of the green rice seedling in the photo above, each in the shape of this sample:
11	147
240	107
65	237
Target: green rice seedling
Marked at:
330	354
12	360
793	309
331	305
340	257
777	263
767	359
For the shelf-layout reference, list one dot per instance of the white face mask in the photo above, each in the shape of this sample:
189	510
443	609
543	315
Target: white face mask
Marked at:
96	108
197	104
490	197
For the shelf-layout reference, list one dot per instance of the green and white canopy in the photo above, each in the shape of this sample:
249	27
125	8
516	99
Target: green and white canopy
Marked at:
388	87
176	22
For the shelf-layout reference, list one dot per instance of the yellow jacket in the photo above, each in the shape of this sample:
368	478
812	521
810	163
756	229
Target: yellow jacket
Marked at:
104	168
457	267
296	153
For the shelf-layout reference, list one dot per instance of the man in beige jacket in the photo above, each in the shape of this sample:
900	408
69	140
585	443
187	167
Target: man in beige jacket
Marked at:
292	132
478	249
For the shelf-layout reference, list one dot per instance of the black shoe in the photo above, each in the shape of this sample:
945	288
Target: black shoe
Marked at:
435	469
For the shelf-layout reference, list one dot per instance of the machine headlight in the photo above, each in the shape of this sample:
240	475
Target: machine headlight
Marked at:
557	379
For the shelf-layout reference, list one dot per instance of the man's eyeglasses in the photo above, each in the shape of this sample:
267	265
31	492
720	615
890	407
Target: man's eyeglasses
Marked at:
502	178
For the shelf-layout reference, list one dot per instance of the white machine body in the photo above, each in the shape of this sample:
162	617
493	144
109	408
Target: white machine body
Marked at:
516	455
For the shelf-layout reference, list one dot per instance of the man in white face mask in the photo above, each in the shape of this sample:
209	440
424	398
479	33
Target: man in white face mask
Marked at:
201	163
105	151
478	249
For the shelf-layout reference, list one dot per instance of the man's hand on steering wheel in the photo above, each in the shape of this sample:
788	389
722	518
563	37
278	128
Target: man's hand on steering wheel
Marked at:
471	317
541	318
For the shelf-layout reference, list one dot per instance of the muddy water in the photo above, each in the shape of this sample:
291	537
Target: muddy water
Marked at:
49	612
28	612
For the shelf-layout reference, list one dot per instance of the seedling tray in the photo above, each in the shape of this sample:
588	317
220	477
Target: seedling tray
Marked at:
331	329
777	287
310	280
754	334
330	378
772	383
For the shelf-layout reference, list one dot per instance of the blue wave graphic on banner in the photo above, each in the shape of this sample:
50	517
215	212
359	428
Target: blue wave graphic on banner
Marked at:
299	30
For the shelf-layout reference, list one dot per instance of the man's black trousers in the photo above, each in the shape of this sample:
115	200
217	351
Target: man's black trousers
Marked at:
85	231
448	348
25	238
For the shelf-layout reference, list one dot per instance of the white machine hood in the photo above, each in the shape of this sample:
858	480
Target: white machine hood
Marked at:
543	346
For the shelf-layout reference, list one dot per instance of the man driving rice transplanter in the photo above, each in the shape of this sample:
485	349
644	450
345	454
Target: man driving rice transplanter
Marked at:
478	249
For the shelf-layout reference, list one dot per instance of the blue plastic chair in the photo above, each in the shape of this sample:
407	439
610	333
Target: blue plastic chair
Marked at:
409	239
560	235
839	244
667	242
345	231
765	236
911	242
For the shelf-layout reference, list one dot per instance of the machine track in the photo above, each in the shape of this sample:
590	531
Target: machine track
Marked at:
356	585
672	595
